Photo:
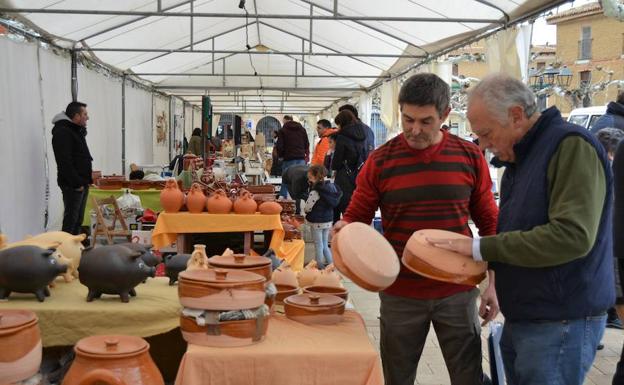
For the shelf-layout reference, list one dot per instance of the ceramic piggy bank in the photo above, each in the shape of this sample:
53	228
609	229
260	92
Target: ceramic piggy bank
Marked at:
174	264
70	246
147	256
112	269
28	269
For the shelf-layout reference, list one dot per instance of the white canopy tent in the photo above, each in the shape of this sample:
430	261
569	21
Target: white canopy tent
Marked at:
283	56
154	60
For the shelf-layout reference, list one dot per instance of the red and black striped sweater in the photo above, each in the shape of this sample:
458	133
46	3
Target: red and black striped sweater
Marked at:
439	187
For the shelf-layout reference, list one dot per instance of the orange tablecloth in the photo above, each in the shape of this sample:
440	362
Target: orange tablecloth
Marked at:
168	226
291	354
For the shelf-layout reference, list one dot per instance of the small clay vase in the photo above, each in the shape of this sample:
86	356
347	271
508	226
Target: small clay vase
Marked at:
308	275
171	198
199	259
195	200
270	208
245	204
114	360
219	203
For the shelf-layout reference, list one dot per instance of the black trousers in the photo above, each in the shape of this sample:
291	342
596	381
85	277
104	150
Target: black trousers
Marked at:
75	202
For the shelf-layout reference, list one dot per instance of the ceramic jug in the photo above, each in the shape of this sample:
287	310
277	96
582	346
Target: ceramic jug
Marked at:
219	203
245	204
171	198
195	200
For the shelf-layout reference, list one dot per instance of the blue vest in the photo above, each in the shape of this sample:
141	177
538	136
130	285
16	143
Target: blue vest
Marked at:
577	289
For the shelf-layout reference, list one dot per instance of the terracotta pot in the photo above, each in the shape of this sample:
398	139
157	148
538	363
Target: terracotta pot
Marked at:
318	289
245	203
199	259
308	275
425	259
365	256
221	289
270	208
327	278
113	360
285	291
285	276
20	339
219	203
225	334
314	309
171	198
254	264
195	200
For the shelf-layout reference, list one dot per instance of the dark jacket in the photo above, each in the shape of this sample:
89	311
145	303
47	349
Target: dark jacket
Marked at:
73	159
370	138
350	147
296	178
323	209
292	142
618	207
613	118
576	289
195	145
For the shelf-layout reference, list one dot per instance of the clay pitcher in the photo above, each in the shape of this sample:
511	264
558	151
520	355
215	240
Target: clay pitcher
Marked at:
245	204
219	203
171	198
269	208
195	200
113	360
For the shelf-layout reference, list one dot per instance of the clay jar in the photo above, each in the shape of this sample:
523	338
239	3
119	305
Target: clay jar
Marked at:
20	338
245	204
171	198
195	200
115	360
270	208
314	309
219	203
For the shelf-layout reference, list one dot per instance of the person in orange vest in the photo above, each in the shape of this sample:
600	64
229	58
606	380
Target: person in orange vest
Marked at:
323	127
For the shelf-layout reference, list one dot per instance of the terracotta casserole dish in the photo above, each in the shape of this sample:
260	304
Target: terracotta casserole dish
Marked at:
314	308
20	345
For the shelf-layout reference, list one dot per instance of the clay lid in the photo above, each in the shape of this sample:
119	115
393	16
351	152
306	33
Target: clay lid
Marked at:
367	254
423	258
13	320
314	300
112	346
224	276
239	261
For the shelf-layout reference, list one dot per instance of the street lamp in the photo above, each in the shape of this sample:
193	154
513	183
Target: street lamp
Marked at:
565	77
550	74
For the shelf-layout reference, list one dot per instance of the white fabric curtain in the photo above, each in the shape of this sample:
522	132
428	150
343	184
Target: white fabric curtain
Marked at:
523	47
389	111
139	148
197	117
189	124
102	94
501	53
22	148
365	105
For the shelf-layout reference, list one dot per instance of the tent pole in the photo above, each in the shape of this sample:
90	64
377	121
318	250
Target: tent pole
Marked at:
123	125
74	75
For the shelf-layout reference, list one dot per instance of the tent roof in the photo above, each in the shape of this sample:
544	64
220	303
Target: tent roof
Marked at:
299	48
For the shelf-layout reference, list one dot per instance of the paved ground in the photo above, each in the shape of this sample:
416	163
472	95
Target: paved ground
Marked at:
432	370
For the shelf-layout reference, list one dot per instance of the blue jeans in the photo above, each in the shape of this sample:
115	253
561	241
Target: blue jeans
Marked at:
550	352
285	165
321	240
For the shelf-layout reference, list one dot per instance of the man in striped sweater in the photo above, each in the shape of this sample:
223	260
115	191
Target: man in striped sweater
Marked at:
427	178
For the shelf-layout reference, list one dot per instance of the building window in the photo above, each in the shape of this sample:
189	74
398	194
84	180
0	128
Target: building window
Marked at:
380	130
585	44
541	65
455	69
585	79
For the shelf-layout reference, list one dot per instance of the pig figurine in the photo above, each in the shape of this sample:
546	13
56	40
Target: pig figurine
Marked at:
70	246
28	269
112	269
146	254
174	264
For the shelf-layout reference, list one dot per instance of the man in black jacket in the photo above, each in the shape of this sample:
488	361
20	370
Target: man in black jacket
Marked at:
292	146
73	161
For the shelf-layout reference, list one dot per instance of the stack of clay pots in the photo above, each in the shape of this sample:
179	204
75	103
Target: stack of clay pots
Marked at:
222	307
20	339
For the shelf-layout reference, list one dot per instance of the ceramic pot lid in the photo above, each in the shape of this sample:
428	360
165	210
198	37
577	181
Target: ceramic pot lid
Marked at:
368	254
423	258
314	300
112	345
224	276
239	261
14	319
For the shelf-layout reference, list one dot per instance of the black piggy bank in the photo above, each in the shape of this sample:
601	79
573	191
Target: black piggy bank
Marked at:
146	255
28	269
112	269
174	264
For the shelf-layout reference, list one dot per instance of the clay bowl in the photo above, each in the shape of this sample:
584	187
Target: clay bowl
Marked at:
285	291
221	289
20	332
423	258
337	291
113	359
226	334
322	309
365	257
255	264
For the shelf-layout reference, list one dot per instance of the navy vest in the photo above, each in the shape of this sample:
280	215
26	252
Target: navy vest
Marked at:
577	289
